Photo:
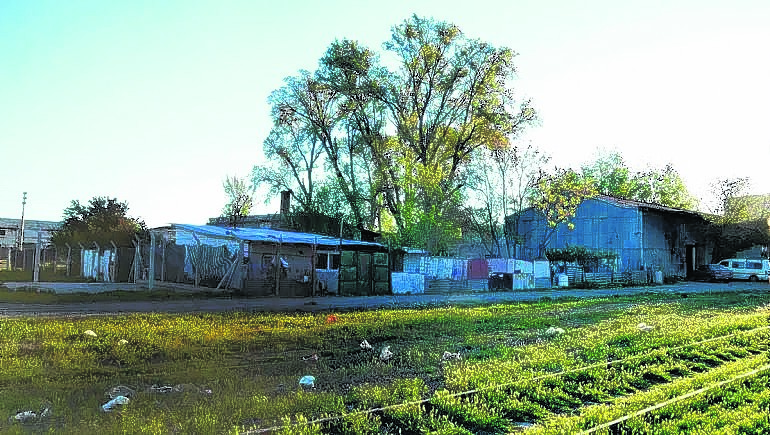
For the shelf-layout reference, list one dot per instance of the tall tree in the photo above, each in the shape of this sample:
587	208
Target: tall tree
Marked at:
102	220
521	172
557	197
500	181
397	140
447	99
315	108
239	200
483	223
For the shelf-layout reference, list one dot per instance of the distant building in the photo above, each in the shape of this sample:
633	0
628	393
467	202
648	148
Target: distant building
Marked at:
10	230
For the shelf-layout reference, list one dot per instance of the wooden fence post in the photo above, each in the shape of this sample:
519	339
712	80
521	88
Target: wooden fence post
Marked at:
151	276
36	265
241	266
113	262
278	266
98	261
69	258
135	271
163	257
82	258
195	259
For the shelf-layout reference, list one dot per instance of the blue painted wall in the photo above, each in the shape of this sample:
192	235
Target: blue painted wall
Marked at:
643	238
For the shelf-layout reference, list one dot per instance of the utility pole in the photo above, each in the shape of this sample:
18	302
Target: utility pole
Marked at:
21	232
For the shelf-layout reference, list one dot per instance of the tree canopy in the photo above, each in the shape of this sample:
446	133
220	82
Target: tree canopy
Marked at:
662	186
102	220
738	220
500	181
395	141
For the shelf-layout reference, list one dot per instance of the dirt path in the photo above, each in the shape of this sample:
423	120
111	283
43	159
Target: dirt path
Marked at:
331	303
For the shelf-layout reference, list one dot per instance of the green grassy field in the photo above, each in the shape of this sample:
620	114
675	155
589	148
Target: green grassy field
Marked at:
236	372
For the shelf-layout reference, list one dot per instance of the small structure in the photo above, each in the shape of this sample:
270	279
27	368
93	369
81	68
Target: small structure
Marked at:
646	237
266	261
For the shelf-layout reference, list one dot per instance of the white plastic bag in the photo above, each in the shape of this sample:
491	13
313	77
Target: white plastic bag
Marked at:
307	381
386	354
120	400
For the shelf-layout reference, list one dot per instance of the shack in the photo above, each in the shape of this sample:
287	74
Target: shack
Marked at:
289	264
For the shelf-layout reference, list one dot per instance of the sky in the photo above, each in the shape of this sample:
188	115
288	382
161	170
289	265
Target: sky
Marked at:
155	103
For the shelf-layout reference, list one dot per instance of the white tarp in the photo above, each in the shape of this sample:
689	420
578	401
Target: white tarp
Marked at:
438	267
510	265
542	269
93	264
402	283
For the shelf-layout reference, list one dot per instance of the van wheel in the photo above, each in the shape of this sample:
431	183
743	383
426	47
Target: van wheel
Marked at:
753	278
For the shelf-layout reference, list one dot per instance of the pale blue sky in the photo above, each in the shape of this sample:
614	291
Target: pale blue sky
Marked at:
156	102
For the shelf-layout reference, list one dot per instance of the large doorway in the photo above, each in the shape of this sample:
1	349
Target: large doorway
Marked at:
689	262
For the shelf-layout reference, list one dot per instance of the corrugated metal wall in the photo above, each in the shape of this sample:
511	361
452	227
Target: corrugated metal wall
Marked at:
650	238
598	225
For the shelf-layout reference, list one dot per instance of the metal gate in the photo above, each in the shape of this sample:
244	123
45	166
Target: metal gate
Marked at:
364	274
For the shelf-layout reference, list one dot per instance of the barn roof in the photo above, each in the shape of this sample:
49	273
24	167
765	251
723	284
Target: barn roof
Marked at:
644	205
270	235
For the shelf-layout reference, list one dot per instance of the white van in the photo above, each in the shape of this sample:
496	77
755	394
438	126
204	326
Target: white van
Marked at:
745	268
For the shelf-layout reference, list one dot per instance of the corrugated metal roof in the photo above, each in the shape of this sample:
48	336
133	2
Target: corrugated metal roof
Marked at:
271	235
640	204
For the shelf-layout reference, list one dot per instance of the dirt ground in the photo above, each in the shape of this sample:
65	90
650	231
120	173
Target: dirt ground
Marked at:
338	303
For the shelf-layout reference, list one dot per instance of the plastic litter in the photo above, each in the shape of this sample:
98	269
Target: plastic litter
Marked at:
386	354
365	345
26	416
120	390
645	327
313	357
89	333
554	331
165	389
121	342
307	381
120	400
179	388
331	318
449	355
